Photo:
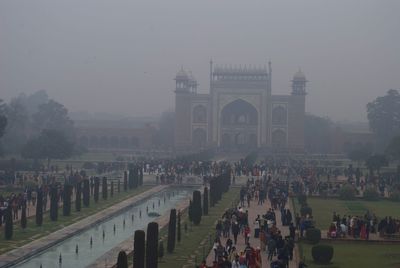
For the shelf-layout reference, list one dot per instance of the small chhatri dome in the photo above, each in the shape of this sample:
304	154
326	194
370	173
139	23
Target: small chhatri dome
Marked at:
182	74
299	76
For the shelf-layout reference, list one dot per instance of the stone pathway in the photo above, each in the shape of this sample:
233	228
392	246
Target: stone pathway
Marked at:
14	256
253	211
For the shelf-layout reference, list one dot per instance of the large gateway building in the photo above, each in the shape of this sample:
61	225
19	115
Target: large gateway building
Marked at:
240	112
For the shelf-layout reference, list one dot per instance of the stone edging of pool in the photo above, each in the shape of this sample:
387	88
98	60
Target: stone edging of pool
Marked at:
15	256
110	257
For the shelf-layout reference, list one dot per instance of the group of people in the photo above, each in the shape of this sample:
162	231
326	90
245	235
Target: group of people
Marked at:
362	226
259	235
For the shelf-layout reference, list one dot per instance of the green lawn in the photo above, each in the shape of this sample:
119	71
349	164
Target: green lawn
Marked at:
33	232
323	209
197	237
351	255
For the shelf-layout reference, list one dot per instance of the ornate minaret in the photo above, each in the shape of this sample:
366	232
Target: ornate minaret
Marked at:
297	111
183	89
299	83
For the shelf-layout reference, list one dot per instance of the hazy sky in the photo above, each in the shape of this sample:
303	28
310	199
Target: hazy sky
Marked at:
121	56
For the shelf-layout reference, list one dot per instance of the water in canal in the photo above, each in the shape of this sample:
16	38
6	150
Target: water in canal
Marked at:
87	253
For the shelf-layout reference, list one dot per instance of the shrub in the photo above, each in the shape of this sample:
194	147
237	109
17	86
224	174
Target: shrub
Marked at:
122	261
305	210
347	192
138	249
313	235
395	196
302	198
152	245
371	194
322	254
197	211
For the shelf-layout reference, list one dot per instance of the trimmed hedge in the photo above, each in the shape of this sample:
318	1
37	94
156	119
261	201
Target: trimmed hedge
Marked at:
305	210
171	231
322	254
347	192
313	235
371	194
197	211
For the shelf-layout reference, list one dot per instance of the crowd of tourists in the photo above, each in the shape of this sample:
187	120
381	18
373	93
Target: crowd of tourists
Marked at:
259	235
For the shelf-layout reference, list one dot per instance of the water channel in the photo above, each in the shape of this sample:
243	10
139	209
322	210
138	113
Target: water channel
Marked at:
103	236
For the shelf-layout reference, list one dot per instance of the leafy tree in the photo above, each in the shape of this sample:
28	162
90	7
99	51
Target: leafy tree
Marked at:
152	245
360	154
384	117
317	133
393	149
164	136
50	144
376	162
53	115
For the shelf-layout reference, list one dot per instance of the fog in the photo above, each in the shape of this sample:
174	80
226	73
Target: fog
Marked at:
120	57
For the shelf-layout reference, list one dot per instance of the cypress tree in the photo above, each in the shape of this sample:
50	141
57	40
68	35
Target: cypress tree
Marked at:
122	261
138	249
152	245
86	193
119	186
53	203
96	189
78	196
39	207
130	182
8	228
104	188
23	217
67	200
135	177
125	180
111	188
140	175
171	231
160	249
178	237
197	211
190	211
205	201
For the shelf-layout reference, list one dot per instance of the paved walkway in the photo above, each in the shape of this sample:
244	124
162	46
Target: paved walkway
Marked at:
253	211
14	256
